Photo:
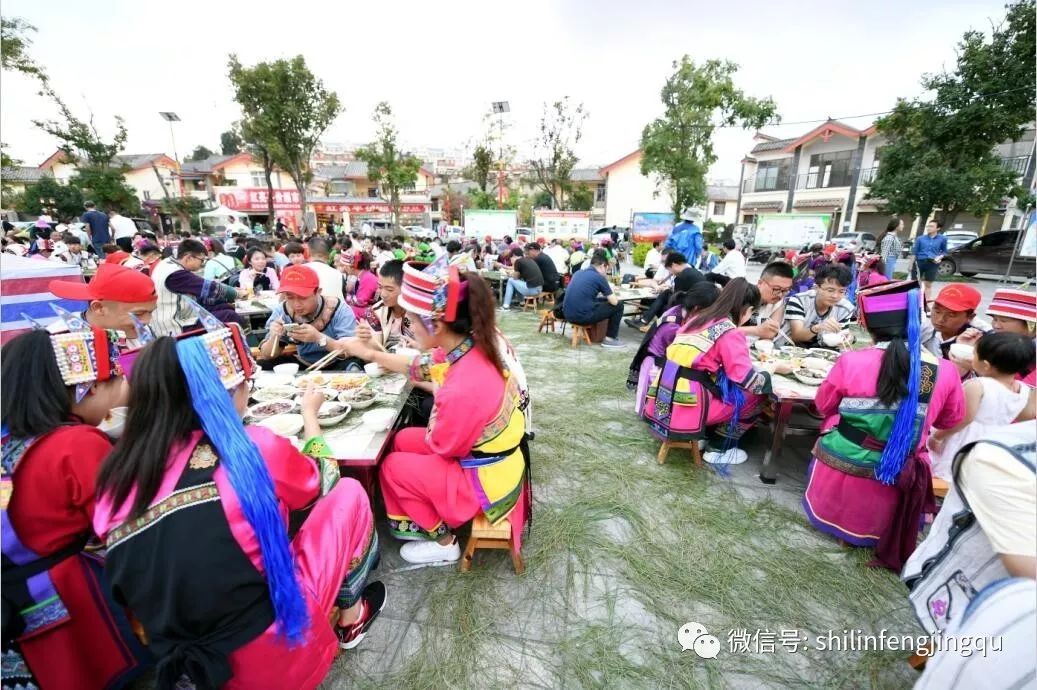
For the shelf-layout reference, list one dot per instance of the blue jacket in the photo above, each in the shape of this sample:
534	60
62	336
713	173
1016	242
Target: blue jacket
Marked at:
686	238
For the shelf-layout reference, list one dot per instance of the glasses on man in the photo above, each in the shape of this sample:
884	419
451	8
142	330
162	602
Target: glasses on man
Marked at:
833	290
777	288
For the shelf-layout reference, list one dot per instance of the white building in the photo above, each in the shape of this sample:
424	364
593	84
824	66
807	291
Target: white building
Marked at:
151	175
722	203
627	191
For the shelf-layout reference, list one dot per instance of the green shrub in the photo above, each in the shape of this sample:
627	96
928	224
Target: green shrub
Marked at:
640	251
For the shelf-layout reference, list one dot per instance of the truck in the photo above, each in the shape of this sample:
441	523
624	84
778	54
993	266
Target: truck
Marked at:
777	231
496	224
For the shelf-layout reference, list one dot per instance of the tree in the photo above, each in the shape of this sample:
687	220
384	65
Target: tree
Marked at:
678	146
14	47
200	153
185	208
107	188
561	127
230	143
452	206
287	108
387	166
68	199
941	152
479	170
81	141
581	198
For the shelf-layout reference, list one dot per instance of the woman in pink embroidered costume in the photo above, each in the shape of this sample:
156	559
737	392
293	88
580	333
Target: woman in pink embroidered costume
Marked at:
869	482
363	291
708	386
60	629
472	455
194	509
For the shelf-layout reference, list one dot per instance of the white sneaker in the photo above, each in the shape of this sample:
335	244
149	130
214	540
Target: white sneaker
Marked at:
612	343
735	456
425	552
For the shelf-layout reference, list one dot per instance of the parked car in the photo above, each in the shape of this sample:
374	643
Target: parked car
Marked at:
990	253
959	238
854	241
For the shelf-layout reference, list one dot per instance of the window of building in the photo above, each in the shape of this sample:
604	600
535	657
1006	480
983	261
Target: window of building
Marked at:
372	192
340	188
719	207
147	195
772	175
829	170
599	194
258	179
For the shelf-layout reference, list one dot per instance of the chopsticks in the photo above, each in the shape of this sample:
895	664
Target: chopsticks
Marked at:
323	361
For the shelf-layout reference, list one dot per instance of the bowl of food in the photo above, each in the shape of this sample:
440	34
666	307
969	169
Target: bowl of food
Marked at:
821	353
834	339
331	413
358	398
791	351
339	382
271	408
288	369
284	424
961	351
273	393
764	347
373	370
809	376
114	422
818	365
330	394
378	420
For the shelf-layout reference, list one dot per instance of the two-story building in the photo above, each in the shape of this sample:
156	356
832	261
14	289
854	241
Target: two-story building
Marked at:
829	170
152	176
627	191
721	203
347	191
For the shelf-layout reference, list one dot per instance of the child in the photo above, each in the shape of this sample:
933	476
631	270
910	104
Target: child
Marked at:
994	398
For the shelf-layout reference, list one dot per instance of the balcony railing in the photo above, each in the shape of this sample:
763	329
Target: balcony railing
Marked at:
816	180
868	176
749	186
1016	164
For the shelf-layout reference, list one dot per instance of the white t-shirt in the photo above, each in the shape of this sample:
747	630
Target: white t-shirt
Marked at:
122	226
559	256
732	265
238	226
653	259
330	279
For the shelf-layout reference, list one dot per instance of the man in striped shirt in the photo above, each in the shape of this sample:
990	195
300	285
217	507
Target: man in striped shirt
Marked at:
824	309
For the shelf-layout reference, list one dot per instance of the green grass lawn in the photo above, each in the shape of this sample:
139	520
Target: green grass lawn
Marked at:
622	552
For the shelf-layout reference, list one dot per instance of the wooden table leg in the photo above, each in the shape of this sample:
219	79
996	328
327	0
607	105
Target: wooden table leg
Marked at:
769	470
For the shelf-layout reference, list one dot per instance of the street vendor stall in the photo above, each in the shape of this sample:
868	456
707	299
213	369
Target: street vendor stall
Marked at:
219	217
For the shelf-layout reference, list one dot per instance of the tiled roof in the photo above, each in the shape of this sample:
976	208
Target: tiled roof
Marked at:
205	165
23	173
354	170
776	145
135	161
586	175
819	203
461	187
718	192
761	205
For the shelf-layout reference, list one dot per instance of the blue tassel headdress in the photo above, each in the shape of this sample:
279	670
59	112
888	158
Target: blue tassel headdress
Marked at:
250	479
902	439
851	291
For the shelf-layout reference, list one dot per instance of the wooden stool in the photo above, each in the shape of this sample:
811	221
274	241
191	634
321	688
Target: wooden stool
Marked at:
489	536
531	303
580	333
549	299
940	487
547	321
667	446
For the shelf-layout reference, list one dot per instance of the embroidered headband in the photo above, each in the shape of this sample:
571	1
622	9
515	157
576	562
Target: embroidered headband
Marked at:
434	290
84	354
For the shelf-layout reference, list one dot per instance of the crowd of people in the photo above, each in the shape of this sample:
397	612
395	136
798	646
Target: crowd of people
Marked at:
230	548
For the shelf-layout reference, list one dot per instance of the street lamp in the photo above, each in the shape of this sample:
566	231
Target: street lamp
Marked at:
171	118
499	108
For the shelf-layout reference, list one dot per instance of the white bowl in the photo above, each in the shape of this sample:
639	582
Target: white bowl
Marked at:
373	370
409	352
254	412
115	422
833	339
284	424
289	369
350	398
378	420
962	351
332	421
764	346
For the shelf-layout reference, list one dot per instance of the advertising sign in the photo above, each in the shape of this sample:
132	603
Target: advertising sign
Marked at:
651	227
783	230
496	224
253	199
562	225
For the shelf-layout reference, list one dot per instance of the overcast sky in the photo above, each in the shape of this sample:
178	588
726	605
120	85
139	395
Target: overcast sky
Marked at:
440	64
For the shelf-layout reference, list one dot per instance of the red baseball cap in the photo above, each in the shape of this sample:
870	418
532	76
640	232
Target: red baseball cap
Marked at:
959	297
299	280
116	257
112	282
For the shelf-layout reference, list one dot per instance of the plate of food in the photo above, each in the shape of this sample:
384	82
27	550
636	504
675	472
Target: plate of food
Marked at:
821	353
791	351
271	408
284	424
358	398
278	392
811	377
331	413
817	365
339	382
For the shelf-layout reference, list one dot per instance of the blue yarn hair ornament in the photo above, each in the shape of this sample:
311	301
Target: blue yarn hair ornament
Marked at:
251	480
851	291
901	436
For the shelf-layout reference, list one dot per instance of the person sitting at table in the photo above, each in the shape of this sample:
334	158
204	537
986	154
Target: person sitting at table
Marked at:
363	290
219	265
576	259
295	252
582	306
873	273
774	284
67	631
869	482
459	257
708	387
331	280
472	456
315	323
117	298
1010	311
193	507
952	314
652	353
685	276
258	275
807	266
176	279
526	278
822	309
552	281
386	322
559	255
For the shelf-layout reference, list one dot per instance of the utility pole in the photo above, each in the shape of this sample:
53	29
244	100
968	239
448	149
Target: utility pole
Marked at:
499	108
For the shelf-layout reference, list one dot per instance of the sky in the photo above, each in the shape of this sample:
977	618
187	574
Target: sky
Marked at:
441	64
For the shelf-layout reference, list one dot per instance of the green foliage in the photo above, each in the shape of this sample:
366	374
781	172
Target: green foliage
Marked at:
560	130
482	163
452	205
14	47
68	199
679	145
80	140
388	166
941	151
640	252
488	200
286	109
581	198
185	208
542	199
6	161
713	231
106	187
230	143
525	210
200	153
